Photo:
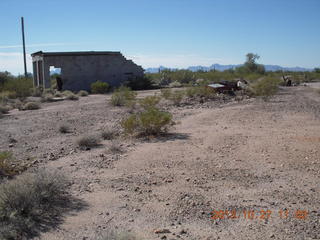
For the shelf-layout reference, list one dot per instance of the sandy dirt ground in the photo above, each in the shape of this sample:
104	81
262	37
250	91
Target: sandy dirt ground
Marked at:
260	160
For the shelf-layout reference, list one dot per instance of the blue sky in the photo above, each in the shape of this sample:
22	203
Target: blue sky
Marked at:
174	33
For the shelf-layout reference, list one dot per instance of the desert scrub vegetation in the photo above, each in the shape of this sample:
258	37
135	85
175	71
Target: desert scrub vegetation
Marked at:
149	102
58	94
20	86
66	93
176	97
83	93
175	84
64	128
166	93
47	97
99	87
173	96
115	147
87	142
30	106
200	91
111	235
4	109
109	134
31	203
72	97
123	96
149	122
265	87
7	167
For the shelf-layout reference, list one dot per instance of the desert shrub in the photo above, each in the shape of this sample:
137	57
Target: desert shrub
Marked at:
265	87
7	95
37	92
166	93
48	91
175	84
4	109
58	94
109	134
140	83
200	91
115	147
150	102
21	86
72	96
47	97
83	93
99	87
30	106
150	122
67	92
123	96
176	97
29	203
111	235
87	142
7	168
64	128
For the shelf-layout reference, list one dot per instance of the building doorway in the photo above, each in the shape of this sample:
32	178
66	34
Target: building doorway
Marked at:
55	78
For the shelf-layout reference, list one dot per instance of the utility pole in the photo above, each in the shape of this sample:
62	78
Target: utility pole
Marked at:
24	49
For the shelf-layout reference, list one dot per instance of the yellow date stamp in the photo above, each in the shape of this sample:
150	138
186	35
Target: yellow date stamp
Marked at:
258	214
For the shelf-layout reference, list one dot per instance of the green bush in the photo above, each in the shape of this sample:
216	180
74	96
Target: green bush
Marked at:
99	87
200	91
150	122
265	87
141	83
150	102
21	86
7	95
30	203
83	93
123	96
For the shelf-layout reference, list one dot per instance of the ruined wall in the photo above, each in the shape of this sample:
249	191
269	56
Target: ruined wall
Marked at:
78	72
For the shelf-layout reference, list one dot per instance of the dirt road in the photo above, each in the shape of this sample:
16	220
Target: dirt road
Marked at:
257	159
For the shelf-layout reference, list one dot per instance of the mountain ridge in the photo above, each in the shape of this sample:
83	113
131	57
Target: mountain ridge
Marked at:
220	67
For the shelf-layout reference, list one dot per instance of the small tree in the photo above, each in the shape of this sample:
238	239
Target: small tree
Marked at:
251	66
99	87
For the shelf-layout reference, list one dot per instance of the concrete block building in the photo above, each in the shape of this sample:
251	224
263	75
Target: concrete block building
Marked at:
80	69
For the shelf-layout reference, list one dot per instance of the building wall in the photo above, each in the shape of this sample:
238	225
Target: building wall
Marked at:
78	72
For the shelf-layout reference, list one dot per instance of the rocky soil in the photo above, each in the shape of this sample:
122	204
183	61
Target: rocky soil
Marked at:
230	156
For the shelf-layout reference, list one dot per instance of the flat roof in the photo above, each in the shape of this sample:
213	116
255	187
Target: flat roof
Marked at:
83	53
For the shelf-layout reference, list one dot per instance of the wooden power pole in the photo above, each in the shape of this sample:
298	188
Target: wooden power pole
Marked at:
24	49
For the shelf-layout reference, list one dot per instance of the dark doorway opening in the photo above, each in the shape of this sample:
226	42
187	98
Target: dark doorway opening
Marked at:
56	79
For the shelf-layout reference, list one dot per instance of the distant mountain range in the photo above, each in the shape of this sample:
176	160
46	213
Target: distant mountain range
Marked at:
269	68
